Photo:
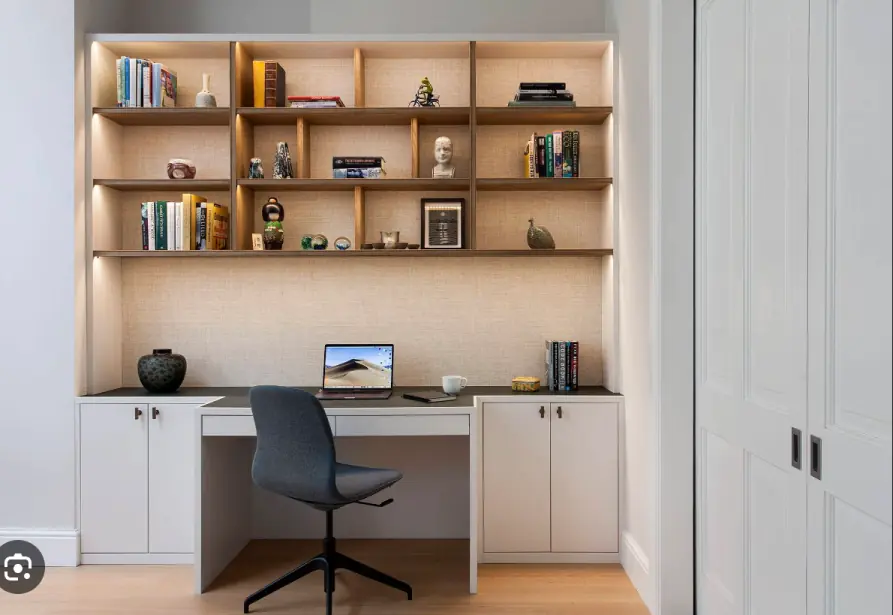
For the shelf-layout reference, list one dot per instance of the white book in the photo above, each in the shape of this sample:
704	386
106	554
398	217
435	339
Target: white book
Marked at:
131	94
147	84
118	90
151	205
171	225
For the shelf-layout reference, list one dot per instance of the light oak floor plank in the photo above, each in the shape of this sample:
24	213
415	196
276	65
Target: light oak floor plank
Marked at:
437	570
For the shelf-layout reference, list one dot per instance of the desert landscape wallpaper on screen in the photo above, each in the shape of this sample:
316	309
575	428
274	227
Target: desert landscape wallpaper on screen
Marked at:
358	367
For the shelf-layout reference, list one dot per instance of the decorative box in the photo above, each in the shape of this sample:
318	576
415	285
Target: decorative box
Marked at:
526	383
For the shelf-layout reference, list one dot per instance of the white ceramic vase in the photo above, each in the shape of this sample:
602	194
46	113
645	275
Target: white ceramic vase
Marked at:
205	98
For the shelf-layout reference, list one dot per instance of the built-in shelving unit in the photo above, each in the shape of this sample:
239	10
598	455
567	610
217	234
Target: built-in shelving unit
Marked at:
326	185
165	116
417	253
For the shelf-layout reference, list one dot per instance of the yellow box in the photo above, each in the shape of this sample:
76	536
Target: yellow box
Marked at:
526	383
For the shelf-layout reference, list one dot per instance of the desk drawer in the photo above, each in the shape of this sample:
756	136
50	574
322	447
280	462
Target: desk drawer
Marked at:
236	425
404	425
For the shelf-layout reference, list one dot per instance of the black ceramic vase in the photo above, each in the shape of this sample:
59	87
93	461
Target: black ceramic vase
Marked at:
162	371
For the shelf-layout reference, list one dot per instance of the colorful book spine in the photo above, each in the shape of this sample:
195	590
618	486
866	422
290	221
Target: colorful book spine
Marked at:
557	147
218	229
575	372
575	154
202	215
160	225
555	366
274	85
567	153
258	82
550	156
144	224
147	84
118	89
168	94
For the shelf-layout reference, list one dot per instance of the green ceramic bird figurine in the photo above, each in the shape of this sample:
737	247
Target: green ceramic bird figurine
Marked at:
539	237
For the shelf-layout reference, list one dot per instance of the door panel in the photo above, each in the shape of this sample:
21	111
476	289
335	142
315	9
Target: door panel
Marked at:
751	336
171	478
584	478
850	333
516	477
114	493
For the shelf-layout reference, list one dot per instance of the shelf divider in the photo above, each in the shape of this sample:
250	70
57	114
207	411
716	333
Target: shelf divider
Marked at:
414	143
359	78
359	217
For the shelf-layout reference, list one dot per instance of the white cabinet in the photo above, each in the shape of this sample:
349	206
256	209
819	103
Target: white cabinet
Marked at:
549	480
136	481
516	478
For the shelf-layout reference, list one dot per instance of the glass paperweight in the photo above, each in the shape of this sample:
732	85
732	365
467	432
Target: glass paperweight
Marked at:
319	242
307	242
342	243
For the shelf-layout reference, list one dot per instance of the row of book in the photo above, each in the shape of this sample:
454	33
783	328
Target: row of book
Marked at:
543	94
358	167
144	83
190	224
556	154
562	365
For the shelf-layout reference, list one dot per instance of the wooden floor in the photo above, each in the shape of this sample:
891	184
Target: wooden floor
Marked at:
437	570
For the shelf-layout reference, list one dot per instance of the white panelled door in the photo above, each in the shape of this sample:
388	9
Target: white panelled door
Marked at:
850	398
751	292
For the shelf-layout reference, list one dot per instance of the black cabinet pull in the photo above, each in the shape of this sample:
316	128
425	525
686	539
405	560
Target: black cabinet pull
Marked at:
795	447
542	412
155	412
137	413
559	411
815	457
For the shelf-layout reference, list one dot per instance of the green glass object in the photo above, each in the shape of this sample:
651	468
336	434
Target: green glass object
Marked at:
307	242
319	242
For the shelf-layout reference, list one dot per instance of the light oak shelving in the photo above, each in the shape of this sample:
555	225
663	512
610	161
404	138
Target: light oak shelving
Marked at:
165	185
418	253
165	116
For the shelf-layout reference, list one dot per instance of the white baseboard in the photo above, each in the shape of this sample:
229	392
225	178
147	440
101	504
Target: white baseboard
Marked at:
637	567
548	558
59	547
142	559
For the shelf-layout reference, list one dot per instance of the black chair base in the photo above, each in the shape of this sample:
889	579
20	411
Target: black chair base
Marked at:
328	562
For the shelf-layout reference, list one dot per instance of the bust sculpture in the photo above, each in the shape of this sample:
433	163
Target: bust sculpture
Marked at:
443	154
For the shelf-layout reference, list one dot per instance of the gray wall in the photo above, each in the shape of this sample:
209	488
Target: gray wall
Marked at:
379	17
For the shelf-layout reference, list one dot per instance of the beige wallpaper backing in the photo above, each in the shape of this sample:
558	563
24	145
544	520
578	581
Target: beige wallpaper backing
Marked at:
240	322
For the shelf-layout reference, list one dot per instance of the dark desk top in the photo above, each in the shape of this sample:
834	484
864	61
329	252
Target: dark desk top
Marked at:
237	397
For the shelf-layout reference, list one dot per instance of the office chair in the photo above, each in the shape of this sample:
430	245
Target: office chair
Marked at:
295	457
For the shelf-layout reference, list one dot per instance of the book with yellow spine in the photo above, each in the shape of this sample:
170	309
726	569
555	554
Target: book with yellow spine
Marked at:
217	227
258	78
190	229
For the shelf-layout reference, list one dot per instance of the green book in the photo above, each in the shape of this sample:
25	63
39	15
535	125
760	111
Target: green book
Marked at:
160	225
550	166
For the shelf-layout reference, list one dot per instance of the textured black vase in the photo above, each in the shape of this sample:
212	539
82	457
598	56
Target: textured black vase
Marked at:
162	371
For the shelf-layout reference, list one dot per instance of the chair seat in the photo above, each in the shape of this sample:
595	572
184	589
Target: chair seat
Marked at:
359	482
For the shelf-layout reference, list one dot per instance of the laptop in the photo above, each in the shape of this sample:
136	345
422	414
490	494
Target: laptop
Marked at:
357	371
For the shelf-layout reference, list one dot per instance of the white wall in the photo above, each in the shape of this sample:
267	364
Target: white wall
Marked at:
656	56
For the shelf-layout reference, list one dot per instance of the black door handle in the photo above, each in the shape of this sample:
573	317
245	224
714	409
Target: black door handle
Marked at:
542	412
559	411
795	447
815	457
155	412
137	413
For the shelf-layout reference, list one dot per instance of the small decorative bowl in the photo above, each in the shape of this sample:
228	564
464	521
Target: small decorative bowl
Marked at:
342	243
413	246
400	245
365	246
378	246
527	384
180	168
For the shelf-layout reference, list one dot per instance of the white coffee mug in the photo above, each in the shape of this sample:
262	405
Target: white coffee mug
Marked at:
454	384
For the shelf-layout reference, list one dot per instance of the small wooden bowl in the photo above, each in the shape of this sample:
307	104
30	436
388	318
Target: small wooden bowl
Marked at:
365	246
378	246
413	246
400	245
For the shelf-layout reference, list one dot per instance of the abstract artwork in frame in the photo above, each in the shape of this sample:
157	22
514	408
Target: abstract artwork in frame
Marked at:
443	223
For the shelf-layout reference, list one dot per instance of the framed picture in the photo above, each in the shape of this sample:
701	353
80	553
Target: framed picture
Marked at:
443	223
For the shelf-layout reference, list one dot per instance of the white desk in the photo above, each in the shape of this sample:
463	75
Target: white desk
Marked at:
225	450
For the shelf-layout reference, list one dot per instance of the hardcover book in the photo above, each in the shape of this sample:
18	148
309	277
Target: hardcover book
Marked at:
274	85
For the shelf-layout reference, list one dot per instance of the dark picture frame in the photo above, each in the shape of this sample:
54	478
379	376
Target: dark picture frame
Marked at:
448	234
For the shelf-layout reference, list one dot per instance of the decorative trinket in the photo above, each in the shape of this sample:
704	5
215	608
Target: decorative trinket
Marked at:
205	98
180	168
319	242
307	242
282	168
443	154
342	243
539	237
255	169
273	214
424	96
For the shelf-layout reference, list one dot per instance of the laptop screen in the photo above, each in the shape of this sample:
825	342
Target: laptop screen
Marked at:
358	367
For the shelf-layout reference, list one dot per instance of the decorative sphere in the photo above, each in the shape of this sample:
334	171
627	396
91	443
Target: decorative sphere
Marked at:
319	242
342	243
307	242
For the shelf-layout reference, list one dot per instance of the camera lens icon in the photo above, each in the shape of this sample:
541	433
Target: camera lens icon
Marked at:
23	567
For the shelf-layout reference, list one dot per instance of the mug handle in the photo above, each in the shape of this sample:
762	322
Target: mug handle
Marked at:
463	382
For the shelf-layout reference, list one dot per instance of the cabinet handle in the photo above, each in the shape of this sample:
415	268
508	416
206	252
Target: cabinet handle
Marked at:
542	412
559	411
137	413
795	447
815	457
155	412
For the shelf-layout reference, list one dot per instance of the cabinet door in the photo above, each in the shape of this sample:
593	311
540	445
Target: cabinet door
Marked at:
171	478
516	477
113	470
584	478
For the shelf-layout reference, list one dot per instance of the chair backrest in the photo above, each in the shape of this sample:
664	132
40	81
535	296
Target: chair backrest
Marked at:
295	454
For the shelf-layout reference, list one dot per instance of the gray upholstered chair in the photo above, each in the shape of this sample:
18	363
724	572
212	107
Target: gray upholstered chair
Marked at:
295	457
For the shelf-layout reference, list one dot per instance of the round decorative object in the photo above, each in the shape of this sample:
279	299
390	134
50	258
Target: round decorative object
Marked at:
319	242
342	243
307	242
162	371
180	168
539	237
400	245
526	383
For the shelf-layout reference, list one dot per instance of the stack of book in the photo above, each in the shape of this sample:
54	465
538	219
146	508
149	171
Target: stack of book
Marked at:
543	94
144	83
315	102
556	154
562	365
358	167
269	84
190	224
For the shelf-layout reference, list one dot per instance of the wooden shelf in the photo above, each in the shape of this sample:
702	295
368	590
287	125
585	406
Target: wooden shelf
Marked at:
165	185
348	253
543	183
353	116
541	115
165	116
326	185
